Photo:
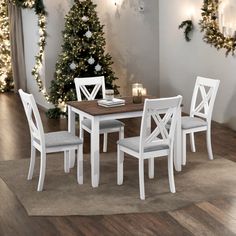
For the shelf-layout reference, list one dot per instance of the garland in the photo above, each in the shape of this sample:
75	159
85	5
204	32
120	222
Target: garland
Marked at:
39	9
210	26
188	25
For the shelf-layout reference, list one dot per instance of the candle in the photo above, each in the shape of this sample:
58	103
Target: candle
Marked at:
137	92
144	92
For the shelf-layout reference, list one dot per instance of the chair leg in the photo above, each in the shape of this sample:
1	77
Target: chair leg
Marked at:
209	147
141	179
122	133
192	142
120	166
183	148
171	172
105	142
151	168
42	171
66	162
32	162
80	165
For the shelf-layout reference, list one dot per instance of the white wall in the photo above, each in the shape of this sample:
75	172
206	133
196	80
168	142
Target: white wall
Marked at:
181	62
55	24
30	31
132	41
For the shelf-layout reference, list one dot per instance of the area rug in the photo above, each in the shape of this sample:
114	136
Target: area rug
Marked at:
200	180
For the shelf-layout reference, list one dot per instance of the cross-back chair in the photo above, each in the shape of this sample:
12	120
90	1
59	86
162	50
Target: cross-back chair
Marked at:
154	142
61	141
88	88
202	104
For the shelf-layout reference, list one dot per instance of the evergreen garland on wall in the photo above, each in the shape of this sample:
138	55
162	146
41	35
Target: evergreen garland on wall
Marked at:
210	26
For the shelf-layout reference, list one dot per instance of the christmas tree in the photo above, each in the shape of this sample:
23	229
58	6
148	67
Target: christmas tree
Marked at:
6	80
83	53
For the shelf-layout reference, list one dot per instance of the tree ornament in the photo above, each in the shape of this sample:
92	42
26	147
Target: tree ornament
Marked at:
72	66
85	18
88	34
98	67
91	60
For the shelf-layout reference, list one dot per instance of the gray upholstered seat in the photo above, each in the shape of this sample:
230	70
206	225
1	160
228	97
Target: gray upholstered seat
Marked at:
61	138
133	144
108	124
188	122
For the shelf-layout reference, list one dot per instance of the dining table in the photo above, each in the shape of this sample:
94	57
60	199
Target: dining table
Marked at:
89	109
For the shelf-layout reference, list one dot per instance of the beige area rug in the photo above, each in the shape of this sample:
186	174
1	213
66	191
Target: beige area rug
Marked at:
200	180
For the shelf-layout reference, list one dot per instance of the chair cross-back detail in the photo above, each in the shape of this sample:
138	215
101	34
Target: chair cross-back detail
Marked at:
49	142
202	104
160	134
105	127
82	87
155	142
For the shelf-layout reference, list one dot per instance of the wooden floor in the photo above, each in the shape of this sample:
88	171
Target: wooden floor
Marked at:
217	217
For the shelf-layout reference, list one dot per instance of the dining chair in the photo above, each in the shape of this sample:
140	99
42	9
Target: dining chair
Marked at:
61	141
152	142
202	103
88	88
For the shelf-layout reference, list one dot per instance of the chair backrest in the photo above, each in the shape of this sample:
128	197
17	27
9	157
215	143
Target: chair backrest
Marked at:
163	113
95	84
33	117
203	98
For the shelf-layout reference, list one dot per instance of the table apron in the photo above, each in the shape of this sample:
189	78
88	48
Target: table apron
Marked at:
122	115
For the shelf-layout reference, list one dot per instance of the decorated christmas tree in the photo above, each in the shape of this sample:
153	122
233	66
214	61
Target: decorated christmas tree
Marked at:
6	80
83	53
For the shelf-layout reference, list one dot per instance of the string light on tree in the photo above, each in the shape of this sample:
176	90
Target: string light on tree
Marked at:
82	48
6	81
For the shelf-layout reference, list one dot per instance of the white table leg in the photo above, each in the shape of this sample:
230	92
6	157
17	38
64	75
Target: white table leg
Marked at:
177	145
71	129
95	163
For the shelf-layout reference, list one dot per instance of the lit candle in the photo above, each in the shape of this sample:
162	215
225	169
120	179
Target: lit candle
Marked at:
144	92
137	92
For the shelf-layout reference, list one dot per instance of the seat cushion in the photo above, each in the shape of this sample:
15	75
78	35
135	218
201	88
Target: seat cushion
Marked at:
133	144
188	122
107	124
61	138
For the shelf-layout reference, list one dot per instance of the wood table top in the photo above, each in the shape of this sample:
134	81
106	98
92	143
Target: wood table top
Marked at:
92	107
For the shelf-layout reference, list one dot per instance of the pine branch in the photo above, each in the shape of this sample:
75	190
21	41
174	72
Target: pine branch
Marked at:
188	25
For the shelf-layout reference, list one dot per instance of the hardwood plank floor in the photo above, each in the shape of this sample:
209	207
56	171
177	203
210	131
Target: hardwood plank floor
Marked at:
215	217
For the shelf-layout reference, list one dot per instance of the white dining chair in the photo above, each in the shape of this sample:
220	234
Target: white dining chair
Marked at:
152	142
88	88
61	141
202	104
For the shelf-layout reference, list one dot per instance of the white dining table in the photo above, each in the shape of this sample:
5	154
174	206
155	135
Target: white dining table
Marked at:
91	110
